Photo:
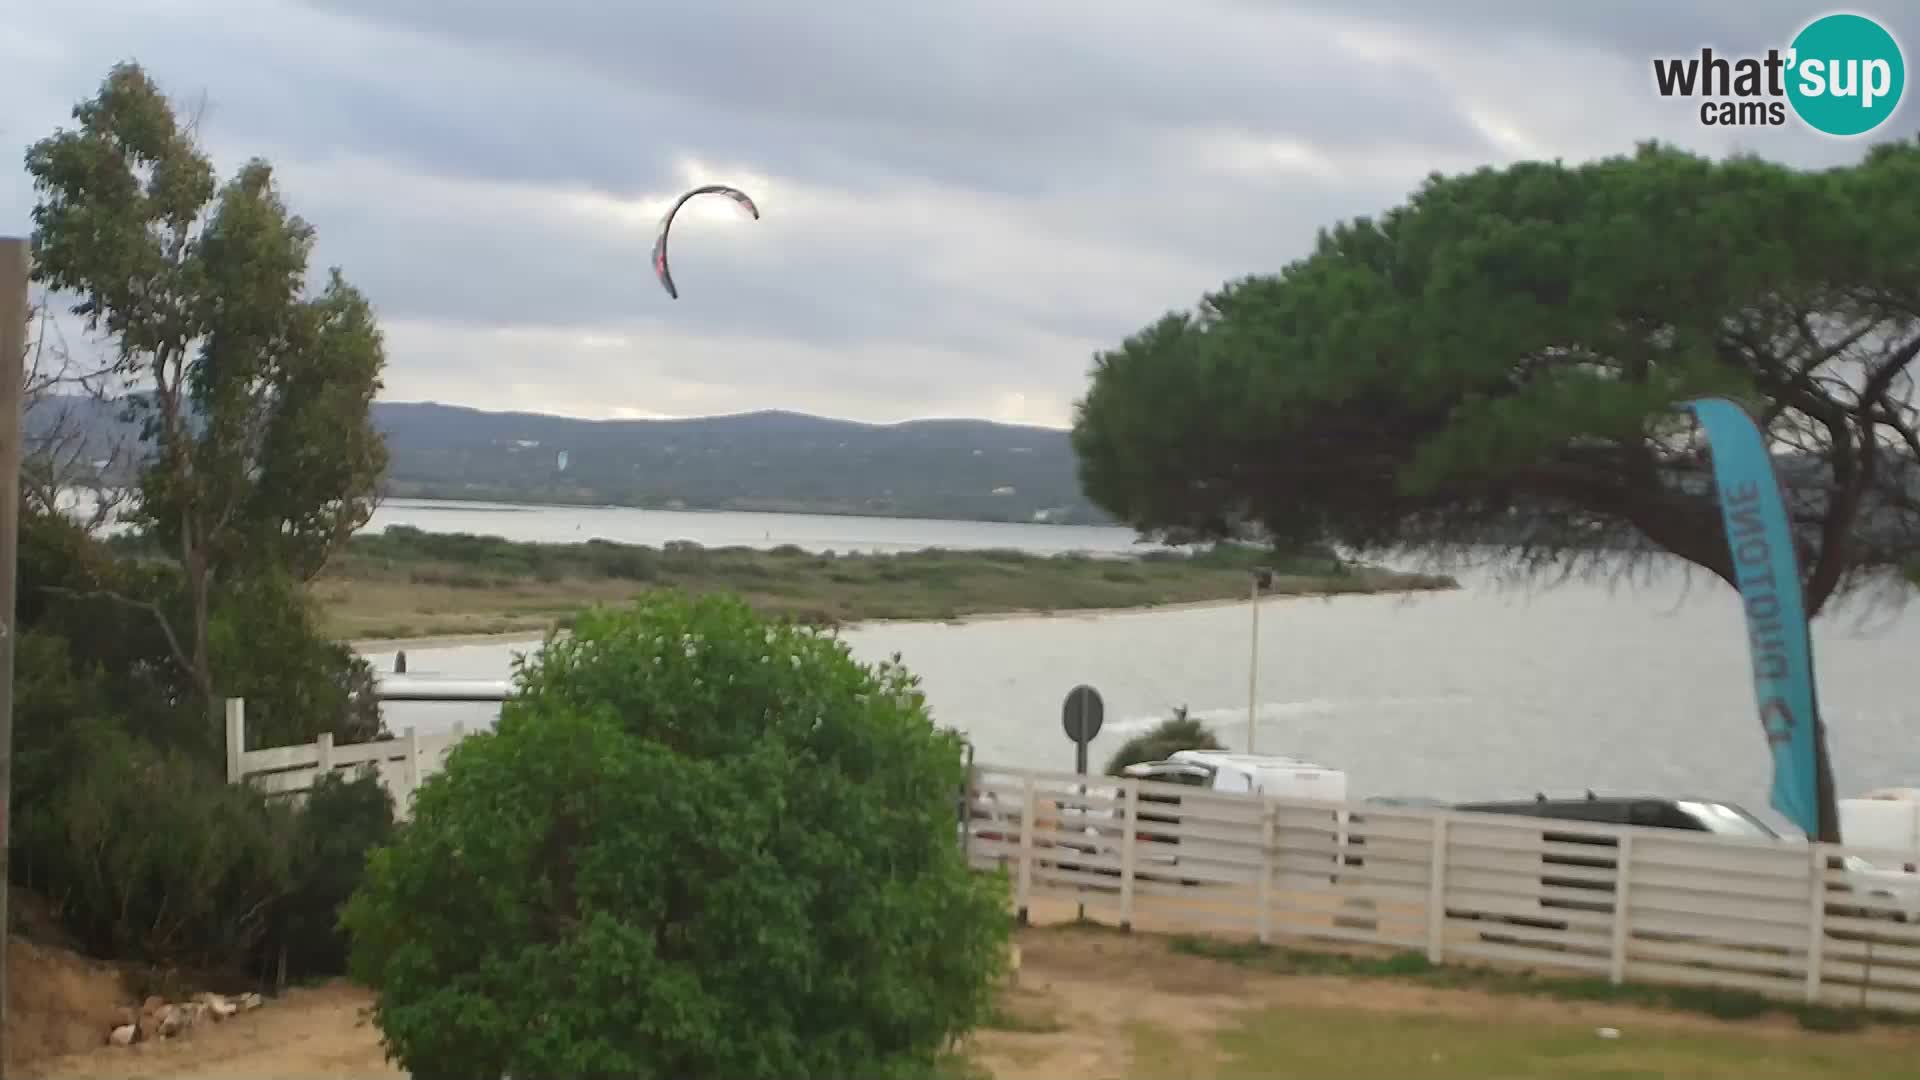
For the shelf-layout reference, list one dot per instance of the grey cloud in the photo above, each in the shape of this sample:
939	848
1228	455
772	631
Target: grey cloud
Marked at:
974	83
1040	182
1640	29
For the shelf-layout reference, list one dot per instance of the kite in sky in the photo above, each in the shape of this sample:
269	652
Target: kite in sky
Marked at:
660	242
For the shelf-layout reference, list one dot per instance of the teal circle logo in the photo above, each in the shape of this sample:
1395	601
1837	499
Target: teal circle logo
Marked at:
1846	74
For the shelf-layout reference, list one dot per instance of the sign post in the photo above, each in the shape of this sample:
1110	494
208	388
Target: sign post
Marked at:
1081	715
1262	579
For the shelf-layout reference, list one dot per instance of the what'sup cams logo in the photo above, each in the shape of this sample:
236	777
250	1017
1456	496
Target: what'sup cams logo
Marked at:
1842	75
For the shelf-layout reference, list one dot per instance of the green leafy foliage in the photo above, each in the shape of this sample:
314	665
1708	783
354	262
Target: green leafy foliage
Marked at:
1497	362
297	684
340	822
252	400
699	844
146	855
126	821
251	397
1177	732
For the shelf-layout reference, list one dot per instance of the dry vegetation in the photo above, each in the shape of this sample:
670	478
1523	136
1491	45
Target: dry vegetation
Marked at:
405	583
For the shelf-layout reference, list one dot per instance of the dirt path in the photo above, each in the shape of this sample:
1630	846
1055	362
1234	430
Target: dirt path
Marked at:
316	1032
1083	1004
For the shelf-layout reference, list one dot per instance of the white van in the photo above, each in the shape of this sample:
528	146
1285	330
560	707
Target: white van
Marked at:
1271	775
1262	775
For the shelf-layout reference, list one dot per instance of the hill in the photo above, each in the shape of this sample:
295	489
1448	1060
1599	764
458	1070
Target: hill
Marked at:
769	461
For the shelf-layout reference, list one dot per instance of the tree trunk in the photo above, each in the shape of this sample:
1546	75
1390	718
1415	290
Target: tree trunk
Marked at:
1824	798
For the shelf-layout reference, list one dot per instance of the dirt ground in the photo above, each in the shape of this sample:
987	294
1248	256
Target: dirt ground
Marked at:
1079	1002
309	1032
1103	988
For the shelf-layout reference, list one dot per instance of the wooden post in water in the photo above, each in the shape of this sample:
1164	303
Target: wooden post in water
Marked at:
13	352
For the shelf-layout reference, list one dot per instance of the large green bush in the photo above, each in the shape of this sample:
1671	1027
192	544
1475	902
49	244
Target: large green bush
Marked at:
147	854
124	817
697	845
340	822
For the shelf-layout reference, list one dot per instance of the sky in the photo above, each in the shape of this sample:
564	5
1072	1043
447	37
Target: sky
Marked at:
962	202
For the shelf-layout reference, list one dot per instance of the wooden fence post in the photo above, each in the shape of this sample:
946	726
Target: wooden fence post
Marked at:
1264	926
1129	850
1027	809
323	755
1816	917
1622	918
236	739
1437	891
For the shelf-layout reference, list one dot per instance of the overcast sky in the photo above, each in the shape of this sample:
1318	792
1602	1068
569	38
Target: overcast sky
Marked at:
962	201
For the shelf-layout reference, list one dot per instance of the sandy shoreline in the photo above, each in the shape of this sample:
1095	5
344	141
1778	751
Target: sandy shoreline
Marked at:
510	637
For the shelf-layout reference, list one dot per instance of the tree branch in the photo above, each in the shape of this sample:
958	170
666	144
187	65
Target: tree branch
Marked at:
160	617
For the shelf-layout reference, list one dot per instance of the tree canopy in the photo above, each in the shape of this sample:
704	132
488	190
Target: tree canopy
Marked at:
1498	360
253	395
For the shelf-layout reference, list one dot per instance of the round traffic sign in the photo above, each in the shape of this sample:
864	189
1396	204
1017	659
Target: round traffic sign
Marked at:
1083	713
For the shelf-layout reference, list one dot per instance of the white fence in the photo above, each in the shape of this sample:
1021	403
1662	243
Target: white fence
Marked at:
401	763
1620	903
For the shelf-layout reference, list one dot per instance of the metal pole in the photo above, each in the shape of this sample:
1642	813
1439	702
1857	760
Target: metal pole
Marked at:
13	352
1253	663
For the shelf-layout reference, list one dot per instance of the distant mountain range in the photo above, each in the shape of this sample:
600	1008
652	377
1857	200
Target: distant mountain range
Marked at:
769	461
766	461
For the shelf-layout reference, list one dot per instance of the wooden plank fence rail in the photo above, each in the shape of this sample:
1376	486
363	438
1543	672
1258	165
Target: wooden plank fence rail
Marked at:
287	771
1621	903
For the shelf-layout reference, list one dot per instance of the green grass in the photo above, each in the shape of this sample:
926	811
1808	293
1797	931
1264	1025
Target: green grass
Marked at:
1364	1045
1719	1003
430	584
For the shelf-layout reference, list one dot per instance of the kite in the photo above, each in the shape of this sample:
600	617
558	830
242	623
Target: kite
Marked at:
660	242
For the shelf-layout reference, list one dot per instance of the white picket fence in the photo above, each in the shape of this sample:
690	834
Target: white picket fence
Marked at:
1620	903
400	763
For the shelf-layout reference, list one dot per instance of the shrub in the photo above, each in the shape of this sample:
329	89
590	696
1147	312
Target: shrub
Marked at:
340	822
1178	732
149	855
696	845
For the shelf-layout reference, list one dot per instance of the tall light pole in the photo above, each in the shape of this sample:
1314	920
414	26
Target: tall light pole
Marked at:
1262	579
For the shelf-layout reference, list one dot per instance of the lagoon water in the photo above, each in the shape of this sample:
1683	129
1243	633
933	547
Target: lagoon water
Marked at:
1486	691
721	528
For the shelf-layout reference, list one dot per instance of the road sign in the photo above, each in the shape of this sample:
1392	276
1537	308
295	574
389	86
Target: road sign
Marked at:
1082	714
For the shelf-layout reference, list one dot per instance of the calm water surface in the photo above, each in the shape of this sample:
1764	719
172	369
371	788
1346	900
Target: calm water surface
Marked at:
1483	692
815	532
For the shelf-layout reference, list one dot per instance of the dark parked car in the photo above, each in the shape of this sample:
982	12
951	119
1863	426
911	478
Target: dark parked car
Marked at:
1647	811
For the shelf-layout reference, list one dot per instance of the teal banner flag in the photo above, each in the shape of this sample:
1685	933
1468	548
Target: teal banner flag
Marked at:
1760	536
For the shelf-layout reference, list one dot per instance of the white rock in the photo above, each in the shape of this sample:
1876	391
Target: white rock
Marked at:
1608	1033
174	1020
123	1035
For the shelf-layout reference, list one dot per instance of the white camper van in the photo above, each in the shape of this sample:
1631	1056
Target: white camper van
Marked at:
1271	775
1261	775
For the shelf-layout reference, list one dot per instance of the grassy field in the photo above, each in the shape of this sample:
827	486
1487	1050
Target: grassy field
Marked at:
1095	1002
1310	1042
407	583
